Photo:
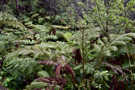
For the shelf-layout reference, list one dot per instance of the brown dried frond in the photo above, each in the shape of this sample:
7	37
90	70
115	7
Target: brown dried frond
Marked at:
77	55
58	70
116	69
69	70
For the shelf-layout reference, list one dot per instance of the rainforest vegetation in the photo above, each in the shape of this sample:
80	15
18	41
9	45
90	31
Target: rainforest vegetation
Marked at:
67	44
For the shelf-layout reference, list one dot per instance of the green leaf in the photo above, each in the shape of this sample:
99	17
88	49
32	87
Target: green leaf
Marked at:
38	85
43	74
67	36
77	67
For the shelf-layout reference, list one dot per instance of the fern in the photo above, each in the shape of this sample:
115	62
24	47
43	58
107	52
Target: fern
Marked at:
9	20
116	41
17	67
44	51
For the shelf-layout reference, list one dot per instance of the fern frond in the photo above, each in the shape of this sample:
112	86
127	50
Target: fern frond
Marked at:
10	20
20	66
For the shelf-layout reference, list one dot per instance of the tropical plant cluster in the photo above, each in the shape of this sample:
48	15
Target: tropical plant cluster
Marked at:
67	44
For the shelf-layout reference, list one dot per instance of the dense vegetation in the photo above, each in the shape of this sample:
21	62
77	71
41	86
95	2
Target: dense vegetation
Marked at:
67	44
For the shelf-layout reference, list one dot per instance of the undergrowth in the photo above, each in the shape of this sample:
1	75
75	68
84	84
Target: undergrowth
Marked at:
67	45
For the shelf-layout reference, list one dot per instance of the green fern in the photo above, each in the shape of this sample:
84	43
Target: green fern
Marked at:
44	51
25	67
10	20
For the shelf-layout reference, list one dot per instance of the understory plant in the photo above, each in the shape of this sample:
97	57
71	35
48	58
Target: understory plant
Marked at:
105	31
67	45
